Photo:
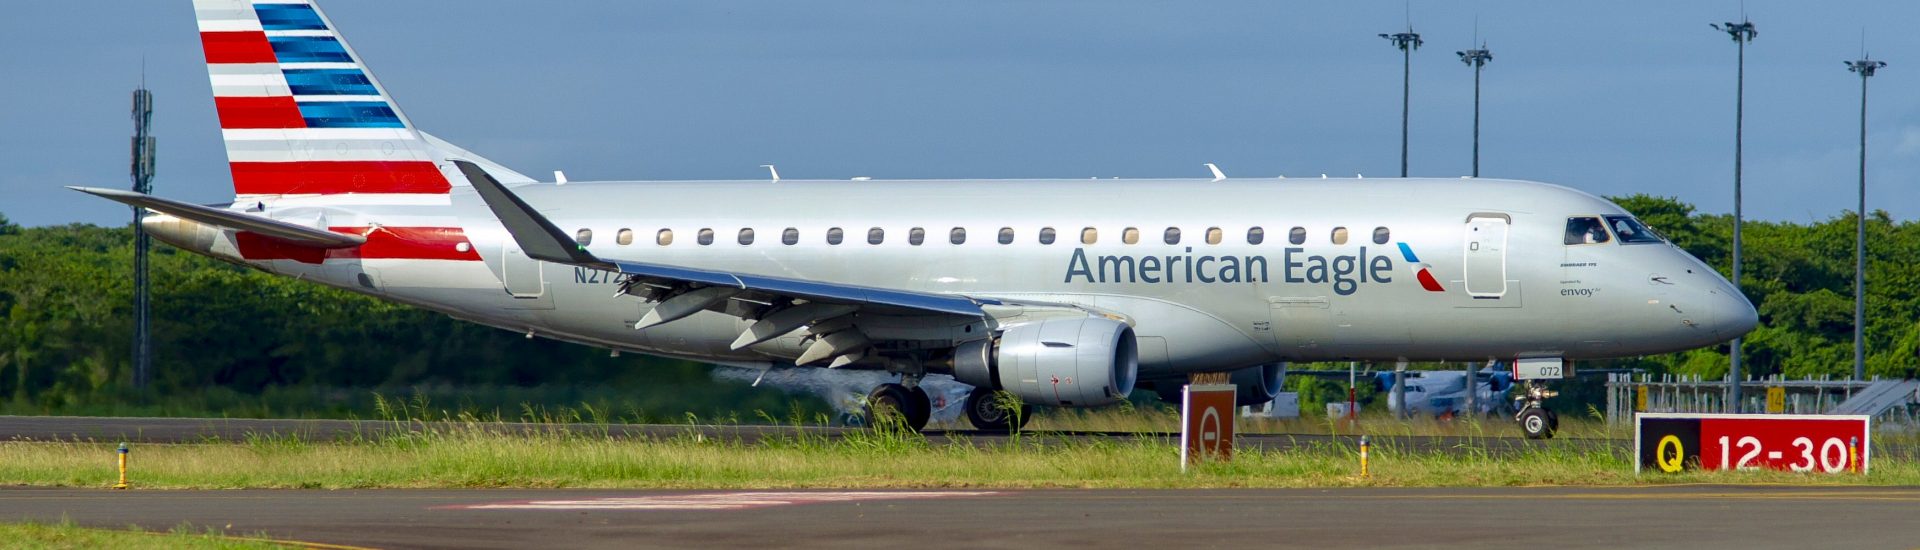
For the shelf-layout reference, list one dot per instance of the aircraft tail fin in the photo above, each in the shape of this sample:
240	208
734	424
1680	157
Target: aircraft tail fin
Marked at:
301	114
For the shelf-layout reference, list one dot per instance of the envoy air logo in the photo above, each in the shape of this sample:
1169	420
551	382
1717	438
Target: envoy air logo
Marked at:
1421	270
1345	274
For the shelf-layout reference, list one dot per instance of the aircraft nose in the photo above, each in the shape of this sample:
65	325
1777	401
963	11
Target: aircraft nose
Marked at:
1733	315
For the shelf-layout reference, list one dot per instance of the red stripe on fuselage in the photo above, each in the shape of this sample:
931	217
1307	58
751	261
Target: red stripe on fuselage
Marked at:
335	177
384	243
258	112
237	47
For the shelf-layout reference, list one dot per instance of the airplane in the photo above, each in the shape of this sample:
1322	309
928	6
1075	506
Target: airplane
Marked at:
1443	393
1054	292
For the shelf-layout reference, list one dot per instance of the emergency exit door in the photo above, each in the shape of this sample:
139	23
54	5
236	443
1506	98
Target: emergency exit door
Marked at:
1486	261
520	273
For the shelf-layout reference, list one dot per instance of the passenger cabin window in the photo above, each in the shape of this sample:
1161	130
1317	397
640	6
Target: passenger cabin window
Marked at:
790	237
1046	235
1631	231
1089	236
1214	235
1586	230
624	237
916	236
1381	235
1339	235
1172	235
835	235
876	236
746	236
706	236
1297	236
583	236
1256	236
664	237
1130	235
957	236
1006	235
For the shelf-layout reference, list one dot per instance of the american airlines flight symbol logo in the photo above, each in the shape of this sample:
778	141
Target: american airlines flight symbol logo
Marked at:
1422	271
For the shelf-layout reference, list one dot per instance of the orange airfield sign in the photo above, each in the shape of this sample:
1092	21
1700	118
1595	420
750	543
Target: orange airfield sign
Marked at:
1206	423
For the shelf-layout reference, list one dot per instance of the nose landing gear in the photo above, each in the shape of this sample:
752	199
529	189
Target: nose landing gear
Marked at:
1535	420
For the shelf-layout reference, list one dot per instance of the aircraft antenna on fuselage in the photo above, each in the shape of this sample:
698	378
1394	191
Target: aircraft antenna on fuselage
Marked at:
1217	174
772	170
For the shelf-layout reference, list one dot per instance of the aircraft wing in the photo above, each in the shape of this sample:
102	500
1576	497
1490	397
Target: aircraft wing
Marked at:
304	235
779	304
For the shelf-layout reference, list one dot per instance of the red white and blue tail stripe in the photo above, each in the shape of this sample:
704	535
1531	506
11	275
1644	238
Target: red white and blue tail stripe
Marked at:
301	114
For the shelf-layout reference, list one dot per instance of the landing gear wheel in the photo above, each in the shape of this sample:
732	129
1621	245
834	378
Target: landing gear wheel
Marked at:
919	408
1537	423
1553	422
988	411
908	409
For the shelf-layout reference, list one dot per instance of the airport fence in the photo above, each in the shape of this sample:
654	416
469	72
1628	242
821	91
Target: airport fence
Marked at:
1889	401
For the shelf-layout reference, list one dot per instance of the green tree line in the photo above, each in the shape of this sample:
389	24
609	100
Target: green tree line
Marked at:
226	336
232	340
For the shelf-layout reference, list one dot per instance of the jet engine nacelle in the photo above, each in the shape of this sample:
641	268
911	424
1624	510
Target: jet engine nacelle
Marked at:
1061	362
1253	386
1258	385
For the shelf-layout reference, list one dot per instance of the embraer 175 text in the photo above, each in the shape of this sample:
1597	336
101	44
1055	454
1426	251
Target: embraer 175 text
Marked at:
1058	292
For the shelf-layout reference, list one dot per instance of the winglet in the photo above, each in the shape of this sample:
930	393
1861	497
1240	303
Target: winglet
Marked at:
539	238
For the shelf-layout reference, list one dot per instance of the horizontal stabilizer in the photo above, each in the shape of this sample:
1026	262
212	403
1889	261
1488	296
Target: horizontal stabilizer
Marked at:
294	233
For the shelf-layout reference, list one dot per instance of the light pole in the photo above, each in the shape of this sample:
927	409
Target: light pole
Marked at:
1742	33
1407	42
1865	67
143	149
1478	60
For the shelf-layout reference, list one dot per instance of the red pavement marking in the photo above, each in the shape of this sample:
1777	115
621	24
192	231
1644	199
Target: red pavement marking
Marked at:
716	501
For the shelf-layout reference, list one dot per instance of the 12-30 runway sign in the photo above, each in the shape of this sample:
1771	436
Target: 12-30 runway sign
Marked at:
1672	442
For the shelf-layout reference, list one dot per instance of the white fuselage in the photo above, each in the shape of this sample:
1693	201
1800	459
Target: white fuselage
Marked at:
1196	306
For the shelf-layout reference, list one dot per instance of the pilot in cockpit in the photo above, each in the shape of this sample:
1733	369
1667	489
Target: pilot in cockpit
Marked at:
1585	230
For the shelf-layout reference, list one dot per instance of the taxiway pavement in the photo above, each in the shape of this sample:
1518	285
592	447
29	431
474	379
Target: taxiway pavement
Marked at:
1695	517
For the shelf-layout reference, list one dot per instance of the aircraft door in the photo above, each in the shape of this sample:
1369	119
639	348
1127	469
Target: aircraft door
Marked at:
1303	326
520	273
1486	255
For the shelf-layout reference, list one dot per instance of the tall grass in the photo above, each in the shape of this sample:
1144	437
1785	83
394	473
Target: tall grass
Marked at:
577	450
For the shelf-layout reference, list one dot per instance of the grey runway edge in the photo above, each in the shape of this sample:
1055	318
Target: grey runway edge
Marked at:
1697	517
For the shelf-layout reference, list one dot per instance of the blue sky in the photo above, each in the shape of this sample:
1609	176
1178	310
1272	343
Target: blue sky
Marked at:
1609	97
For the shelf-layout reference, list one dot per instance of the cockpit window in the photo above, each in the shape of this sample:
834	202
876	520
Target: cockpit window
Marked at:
1631	231
1586	230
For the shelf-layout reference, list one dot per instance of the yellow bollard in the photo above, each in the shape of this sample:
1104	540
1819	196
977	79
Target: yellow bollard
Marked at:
1853	454
1363	456
123	468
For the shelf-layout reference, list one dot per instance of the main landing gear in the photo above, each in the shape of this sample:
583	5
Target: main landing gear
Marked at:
908	407
1535	420
996	411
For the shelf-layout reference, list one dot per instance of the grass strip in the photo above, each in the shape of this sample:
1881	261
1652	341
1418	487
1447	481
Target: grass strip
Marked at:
472	455
66	534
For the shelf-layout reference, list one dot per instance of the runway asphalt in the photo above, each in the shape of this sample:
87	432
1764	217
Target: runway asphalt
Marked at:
1694	517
